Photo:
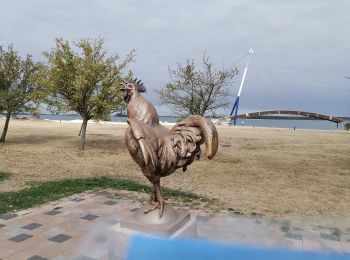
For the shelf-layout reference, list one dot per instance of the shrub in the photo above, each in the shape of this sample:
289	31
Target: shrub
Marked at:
347	126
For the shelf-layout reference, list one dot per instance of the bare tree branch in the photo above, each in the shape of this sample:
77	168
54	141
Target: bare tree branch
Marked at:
195	91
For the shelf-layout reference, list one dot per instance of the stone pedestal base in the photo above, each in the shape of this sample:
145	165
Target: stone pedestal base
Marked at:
172	221
173	224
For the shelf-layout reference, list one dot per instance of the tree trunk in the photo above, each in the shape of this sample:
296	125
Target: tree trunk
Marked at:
82	135
81	128
4	132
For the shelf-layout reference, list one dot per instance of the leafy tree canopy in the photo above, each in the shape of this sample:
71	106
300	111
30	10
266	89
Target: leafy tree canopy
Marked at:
81	77
17	91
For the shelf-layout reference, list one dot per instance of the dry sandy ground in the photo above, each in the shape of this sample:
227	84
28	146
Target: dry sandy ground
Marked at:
265	171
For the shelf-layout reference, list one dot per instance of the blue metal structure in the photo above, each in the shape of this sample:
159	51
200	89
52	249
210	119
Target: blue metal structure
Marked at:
235	110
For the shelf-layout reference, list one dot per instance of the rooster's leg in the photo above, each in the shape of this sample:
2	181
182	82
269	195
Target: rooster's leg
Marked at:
153	198
159	199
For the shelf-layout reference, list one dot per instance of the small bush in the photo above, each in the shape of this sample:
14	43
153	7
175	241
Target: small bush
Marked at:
347	126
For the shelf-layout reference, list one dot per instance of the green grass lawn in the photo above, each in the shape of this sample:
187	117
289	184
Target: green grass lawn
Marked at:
54	190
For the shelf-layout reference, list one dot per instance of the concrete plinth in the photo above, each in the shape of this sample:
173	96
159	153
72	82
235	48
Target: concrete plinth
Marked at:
173	224
172	221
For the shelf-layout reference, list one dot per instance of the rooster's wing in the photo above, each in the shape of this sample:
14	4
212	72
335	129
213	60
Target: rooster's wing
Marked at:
142	143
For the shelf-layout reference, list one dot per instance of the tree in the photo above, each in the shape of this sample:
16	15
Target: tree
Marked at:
347	126
17	90
197	91
36	113
83	79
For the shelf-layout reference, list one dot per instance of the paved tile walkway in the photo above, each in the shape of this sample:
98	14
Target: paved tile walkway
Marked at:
78	227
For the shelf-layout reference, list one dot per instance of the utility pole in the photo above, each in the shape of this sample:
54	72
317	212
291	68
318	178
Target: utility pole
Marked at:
235	105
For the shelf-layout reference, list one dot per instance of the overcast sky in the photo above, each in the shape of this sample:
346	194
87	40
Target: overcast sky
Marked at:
302	48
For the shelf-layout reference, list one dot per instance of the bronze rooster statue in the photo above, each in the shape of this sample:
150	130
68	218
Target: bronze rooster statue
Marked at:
159	151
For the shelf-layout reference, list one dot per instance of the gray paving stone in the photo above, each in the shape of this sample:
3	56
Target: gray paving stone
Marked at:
331	245
54	231
202	218
285	228
53	212
112	222
83	257
100	238
20	238
329	237
293	236
252	230
8	216
77	199
37	257
60	238
110	202
90	217
32	226
71	218
86	226
102	193
23	212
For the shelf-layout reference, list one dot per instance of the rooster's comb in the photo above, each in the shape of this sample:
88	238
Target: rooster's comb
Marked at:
137	83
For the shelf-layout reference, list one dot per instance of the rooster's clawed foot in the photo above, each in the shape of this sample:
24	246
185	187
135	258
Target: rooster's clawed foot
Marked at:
158	205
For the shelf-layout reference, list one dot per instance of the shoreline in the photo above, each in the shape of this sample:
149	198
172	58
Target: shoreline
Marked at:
165	123
79	121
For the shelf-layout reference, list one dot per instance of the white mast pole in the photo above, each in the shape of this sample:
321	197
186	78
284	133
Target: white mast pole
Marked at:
235	106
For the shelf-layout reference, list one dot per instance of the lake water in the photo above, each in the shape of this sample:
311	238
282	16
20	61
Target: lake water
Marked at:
290	123
274	123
